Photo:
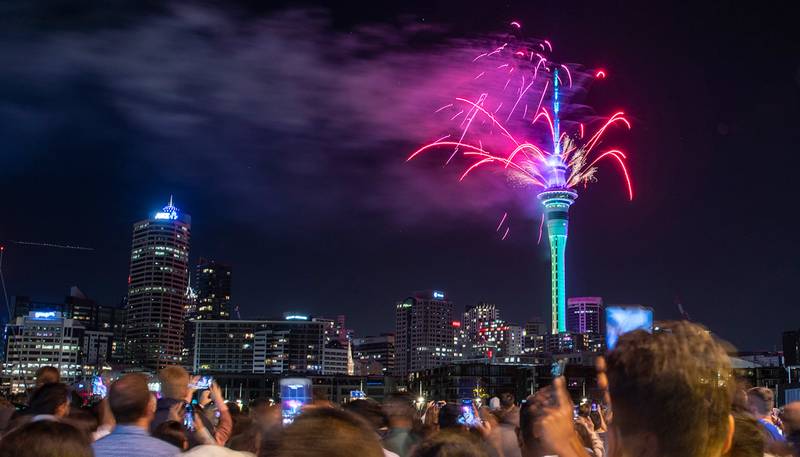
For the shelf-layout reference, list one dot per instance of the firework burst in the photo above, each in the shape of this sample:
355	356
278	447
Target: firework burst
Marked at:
506	123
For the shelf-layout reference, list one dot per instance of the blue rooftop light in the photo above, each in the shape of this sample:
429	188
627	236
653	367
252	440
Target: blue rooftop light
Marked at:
169	212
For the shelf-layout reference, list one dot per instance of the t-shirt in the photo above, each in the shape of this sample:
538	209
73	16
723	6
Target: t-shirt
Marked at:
773	431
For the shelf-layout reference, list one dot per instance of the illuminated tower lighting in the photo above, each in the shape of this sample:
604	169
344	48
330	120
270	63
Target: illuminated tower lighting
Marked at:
557	199
556	209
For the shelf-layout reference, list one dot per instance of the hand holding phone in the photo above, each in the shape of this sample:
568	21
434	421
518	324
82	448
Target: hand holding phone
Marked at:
99	389
469	415
295	394
201	382
188	417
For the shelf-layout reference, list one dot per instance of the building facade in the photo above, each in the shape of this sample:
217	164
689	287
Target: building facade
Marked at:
157	286
586	315
423	332
374	355
93	317
295	344
39	339
533	334
212	284
475	318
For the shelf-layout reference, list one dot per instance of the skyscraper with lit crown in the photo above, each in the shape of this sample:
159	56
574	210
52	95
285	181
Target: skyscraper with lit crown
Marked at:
157	285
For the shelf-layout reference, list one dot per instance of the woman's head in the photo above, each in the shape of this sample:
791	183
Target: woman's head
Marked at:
45	438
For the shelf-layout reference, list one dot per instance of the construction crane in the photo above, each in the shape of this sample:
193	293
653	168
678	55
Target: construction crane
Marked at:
29	243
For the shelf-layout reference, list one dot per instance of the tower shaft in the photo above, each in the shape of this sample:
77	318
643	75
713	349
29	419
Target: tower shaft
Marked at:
556	209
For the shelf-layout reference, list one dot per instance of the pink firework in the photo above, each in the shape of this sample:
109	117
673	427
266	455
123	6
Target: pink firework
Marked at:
506	124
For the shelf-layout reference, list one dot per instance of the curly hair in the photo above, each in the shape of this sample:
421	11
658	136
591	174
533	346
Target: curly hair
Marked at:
674	383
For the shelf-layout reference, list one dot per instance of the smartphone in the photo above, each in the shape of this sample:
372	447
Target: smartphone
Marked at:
557	368
594	406
99	388
203	383
188	417
624	319
155	388
295	393
467	415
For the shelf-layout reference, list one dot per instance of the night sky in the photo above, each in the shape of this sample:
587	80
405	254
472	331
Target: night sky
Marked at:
283	131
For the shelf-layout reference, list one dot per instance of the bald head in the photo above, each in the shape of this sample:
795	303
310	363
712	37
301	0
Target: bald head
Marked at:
130	400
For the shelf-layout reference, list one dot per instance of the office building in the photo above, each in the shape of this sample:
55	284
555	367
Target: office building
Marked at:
374	355
514	340
533	334
212	285
568	342
157	285
423	332
336	359
476	315
39	339
97	350
93	317
586	315
224	346
462	347
295	344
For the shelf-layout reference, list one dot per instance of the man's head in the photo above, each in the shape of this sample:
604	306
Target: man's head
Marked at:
264	414
174	382
671	392
47	375
130	400
52	398
507	399
369	410
584	409
451	443
790	418
761	401
399	409
329	432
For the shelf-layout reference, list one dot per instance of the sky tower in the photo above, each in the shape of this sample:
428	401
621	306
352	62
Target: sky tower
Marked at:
557	168
556	199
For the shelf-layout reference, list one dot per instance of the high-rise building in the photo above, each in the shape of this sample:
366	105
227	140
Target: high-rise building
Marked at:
212	284
586	315
423	332
41	338
533	334
335	358
224	346
157	285
514	340
374	355
475	318
98	321
295	344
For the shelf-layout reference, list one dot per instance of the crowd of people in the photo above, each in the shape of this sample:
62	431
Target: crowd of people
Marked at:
670	393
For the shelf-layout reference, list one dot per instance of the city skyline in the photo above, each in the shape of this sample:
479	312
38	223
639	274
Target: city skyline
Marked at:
322	216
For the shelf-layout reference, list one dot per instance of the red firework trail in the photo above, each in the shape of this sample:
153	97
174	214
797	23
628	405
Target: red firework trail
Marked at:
505	235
